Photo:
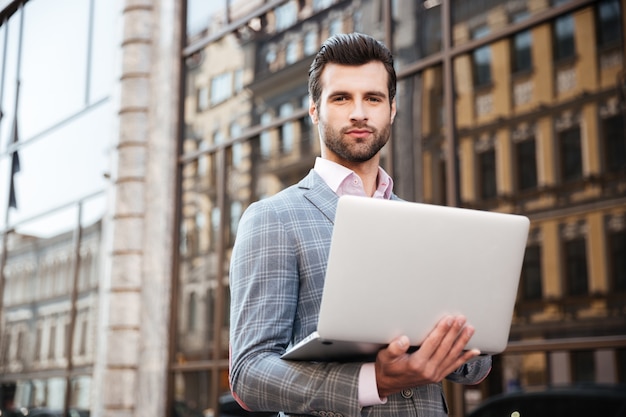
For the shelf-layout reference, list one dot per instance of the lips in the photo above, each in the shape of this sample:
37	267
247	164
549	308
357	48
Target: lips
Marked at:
359	133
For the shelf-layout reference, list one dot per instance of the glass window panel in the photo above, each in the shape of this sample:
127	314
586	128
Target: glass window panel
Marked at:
609	25
103	70
487	174
286	15
571	155
583	366
522	56
617	260
287	131
54	63
614	143
576	267
526	164
11	31
76	154
199	14
531	274
564	46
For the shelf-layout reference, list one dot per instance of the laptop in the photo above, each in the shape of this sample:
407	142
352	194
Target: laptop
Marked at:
398	267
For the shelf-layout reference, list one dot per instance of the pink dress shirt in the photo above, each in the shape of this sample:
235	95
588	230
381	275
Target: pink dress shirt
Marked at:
344	181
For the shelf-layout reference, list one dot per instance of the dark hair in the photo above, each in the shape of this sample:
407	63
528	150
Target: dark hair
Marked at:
350	49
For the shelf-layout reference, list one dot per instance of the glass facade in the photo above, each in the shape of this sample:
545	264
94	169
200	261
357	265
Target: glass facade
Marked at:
514	106
55	134
495	114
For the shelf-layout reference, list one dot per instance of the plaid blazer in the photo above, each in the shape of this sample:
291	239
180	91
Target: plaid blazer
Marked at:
276	281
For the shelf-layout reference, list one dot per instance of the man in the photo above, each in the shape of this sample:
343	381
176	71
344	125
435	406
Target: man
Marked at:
280	255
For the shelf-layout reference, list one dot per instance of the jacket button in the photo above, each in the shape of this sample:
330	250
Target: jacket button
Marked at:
407	393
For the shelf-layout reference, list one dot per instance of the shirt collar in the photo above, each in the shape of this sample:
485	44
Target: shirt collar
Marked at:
334	175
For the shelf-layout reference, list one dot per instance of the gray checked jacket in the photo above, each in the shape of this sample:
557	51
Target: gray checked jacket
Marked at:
276	281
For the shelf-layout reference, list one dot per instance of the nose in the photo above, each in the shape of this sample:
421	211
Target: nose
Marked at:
358	111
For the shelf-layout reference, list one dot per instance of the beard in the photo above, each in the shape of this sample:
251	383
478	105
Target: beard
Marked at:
359	150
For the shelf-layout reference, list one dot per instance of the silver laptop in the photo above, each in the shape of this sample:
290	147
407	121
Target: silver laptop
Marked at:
397	268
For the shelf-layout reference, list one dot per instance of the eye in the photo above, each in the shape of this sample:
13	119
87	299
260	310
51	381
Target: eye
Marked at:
375	99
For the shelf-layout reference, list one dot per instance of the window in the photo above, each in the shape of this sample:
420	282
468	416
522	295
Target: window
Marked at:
617	260
291	52
583	366
221	88
487	174
570	155
203	98
609	23
265	138
614	143
575	254
321	4
526	164
192	308
530	282
286	15
335	26
310	43
564	46
287	134
481	59
522	43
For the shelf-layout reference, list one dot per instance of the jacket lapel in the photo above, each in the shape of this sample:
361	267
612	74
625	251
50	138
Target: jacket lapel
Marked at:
319	194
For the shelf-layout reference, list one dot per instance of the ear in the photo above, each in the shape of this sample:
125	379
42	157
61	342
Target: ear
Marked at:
393	110
313	111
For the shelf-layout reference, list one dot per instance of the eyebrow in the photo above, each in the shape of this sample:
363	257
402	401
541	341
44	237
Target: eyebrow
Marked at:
375	93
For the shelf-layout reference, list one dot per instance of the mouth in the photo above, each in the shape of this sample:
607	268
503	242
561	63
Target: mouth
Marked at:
359	133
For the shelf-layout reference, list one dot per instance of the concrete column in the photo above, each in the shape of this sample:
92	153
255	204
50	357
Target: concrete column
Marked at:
131	376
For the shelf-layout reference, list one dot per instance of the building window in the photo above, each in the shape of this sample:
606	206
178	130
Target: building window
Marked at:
575	254
522	44
221	88
335	26
487	174
287	131
617	259
614	143
570	155
291	52
621	364
526	159
203	98
321	4
564	46
286	15
481	59
530	282
310	42
192	308
583	366
265	138
609	23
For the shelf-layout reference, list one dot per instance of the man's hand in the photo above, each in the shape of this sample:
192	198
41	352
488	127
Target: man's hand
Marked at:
441	353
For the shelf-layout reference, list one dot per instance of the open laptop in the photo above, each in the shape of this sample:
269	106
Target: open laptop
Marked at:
397	267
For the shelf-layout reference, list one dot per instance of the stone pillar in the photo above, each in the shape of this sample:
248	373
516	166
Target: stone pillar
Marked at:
131	376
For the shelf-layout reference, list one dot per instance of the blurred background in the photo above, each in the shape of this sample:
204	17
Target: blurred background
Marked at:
134	133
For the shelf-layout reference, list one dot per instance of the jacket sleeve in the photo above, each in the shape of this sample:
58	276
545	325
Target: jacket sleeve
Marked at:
472	372
264	284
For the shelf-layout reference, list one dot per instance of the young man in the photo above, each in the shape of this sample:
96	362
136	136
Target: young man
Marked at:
280	255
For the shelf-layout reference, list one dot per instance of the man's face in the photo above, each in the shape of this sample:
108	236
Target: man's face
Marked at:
354	112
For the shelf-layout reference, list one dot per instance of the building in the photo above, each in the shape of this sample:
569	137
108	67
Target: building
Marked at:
163	120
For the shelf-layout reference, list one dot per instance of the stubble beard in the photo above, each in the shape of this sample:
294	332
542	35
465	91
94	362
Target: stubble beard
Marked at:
357	150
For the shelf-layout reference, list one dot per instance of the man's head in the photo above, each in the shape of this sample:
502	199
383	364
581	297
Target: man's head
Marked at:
350	49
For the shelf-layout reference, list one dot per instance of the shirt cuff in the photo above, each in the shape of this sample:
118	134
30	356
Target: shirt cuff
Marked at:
368	390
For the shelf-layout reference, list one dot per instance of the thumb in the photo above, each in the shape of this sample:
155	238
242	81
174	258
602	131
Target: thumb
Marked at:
398	347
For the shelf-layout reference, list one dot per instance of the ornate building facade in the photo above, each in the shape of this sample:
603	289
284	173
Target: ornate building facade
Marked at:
166	119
